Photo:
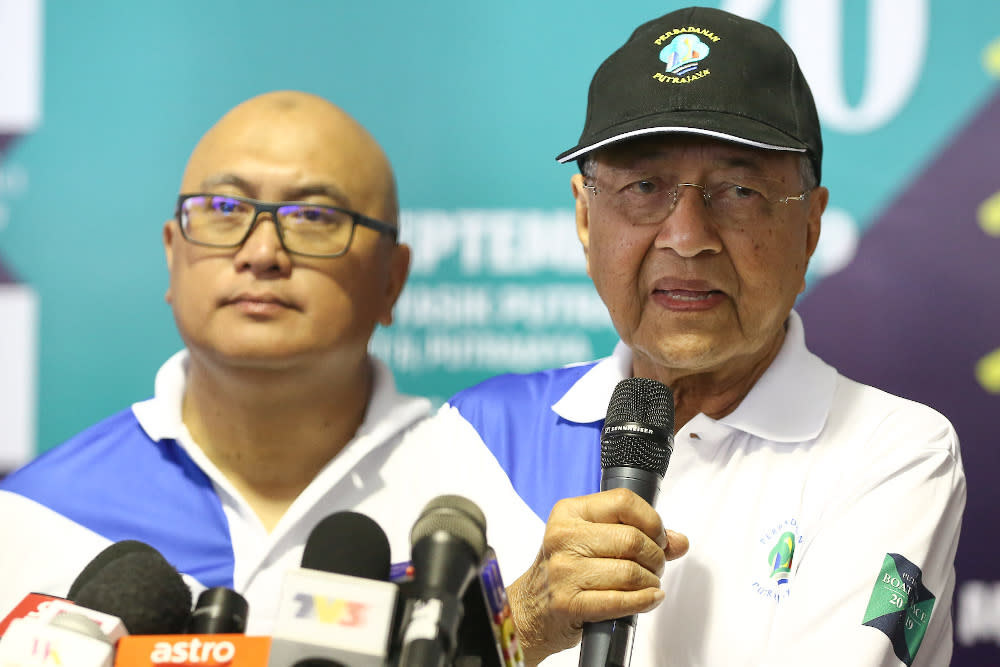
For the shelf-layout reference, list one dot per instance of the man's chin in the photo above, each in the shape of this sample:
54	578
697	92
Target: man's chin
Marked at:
681	353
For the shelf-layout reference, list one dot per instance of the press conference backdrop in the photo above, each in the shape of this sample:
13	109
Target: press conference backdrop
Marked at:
100	104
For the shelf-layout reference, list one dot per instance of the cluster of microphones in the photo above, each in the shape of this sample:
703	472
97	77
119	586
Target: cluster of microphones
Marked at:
130	607
347	605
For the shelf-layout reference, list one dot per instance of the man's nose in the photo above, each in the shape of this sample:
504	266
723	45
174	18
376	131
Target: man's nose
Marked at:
263	248
688	229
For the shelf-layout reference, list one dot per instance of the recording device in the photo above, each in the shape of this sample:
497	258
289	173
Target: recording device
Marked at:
29	607
636	443
69	639
110	626
338	606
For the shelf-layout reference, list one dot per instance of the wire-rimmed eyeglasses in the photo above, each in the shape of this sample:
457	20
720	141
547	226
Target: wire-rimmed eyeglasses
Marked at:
647	202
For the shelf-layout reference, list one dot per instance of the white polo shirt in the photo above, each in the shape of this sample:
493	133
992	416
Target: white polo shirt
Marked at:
823	514
139	475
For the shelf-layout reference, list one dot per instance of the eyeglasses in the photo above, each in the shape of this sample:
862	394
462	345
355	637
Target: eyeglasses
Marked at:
650	203
226	221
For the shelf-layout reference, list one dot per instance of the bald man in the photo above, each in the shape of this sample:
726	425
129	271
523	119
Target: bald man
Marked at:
283	258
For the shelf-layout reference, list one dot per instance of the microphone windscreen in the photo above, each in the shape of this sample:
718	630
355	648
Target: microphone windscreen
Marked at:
143	590
101	560
456	515
639	428
348	543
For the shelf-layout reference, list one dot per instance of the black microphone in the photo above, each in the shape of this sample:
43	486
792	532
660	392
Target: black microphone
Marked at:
348	543
102	560
133	581
636	443
218	611
338	606
448	543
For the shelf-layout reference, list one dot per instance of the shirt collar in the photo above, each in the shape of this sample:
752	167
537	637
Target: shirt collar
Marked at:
388	411
788	403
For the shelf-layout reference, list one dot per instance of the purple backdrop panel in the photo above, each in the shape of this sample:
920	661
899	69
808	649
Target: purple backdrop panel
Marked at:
914	313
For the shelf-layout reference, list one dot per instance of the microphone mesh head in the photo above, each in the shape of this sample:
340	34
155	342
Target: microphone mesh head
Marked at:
143	590
348	543
101	561
639	427
455	515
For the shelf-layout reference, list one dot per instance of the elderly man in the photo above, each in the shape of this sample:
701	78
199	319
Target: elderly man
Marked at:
283	258
822	515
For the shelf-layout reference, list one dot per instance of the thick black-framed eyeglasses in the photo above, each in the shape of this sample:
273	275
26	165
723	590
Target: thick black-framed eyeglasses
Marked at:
314	230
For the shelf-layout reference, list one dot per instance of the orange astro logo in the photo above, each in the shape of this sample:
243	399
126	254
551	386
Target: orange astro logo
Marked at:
192	650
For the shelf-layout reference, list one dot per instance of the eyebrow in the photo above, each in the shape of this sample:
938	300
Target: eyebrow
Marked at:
293	194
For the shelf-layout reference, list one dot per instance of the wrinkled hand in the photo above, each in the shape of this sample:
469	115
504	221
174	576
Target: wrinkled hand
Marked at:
602	557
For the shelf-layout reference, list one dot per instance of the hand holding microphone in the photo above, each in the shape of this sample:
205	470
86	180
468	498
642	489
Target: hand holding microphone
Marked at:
602	554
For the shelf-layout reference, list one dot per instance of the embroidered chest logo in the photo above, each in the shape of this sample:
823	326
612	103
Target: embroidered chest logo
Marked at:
777	555
900	606
682	54
781	558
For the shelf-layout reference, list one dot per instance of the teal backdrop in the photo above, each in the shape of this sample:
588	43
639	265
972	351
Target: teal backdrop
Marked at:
471	101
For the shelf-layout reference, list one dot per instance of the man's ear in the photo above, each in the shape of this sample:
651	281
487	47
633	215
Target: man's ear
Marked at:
582	215
399	269
168	248
818	199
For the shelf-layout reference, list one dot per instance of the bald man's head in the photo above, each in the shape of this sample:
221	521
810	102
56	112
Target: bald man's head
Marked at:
295	132
256	302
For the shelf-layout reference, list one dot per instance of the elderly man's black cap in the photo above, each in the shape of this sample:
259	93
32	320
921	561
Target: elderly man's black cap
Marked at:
707	72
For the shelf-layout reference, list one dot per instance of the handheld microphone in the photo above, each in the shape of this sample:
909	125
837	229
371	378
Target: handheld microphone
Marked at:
337	606
486	634
218	611
110	553
134	582
448	543
636	443
34	603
